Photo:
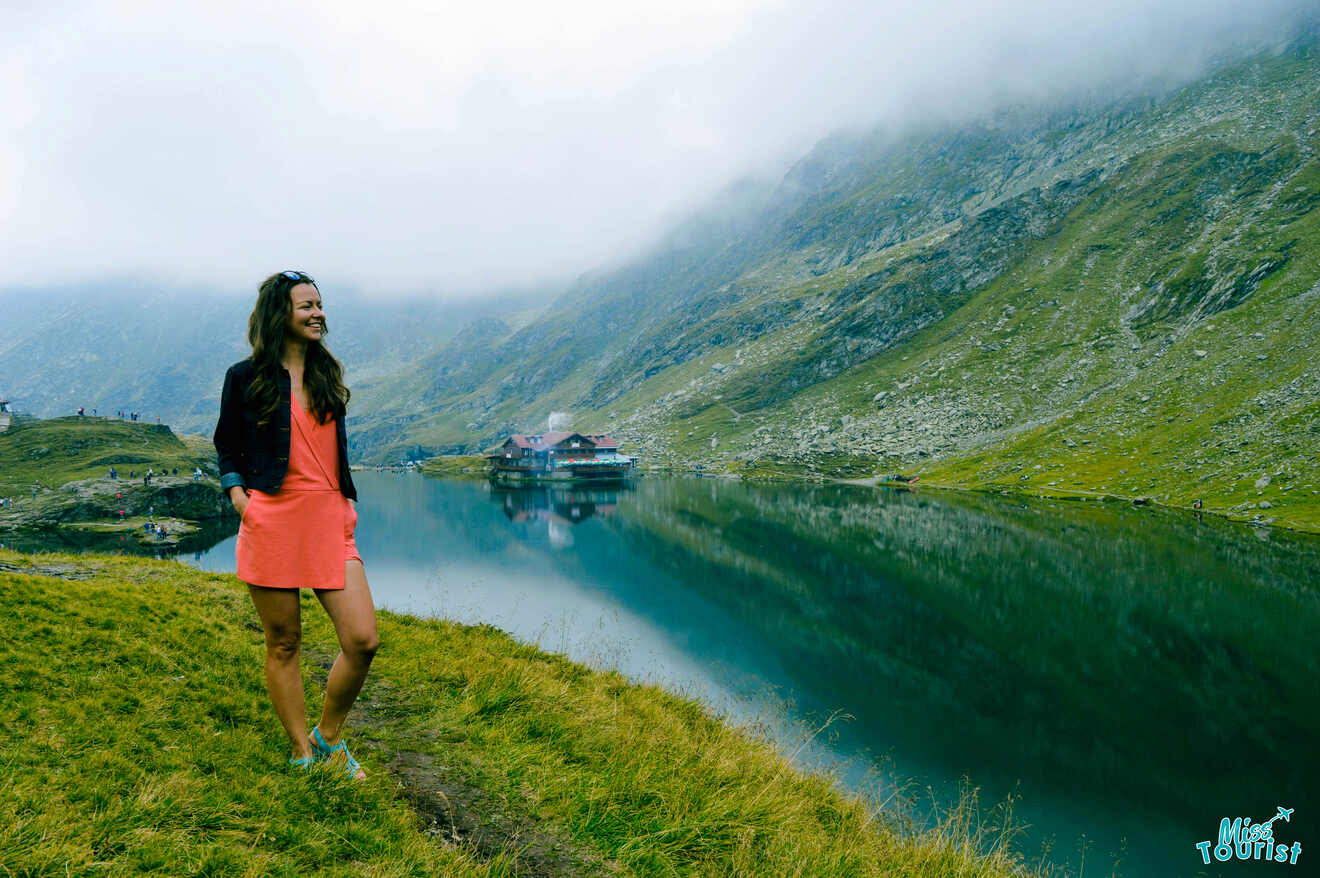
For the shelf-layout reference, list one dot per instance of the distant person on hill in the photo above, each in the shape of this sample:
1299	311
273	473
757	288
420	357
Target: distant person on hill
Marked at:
80	411
283	455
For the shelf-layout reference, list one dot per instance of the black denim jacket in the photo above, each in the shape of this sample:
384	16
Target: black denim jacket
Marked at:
255	456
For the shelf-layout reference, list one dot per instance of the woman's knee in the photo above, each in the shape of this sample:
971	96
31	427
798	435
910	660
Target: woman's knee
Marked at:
363	646
284	642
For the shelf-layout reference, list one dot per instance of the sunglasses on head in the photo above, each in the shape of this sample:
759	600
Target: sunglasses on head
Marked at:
299	276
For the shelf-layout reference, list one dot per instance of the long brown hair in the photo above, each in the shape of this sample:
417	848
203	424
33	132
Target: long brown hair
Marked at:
323	376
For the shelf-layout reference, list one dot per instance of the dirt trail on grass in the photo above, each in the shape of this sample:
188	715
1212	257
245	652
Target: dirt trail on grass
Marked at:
456	812
55	571
450	808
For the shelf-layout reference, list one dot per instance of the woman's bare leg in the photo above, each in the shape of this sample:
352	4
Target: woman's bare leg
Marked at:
281	618
354	617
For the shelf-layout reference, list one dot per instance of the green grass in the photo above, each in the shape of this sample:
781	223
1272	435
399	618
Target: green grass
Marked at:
132	526
139	739
456	466
61	450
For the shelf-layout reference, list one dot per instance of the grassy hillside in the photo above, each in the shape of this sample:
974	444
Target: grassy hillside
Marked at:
1107	300
62	450
139	740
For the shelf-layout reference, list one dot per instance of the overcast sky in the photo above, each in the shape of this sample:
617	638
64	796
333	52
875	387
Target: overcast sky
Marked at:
452	147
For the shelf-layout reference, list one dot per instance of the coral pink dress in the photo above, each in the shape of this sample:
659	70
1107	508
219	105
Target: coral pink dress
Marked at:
301	535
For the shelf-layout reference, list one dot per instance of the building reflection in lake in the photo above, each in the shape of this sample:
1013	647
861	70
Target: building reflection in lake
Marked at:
557	504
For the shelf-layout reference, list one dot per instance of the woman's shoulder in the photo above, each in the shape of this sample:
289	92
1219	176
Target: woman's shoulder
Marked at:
242	369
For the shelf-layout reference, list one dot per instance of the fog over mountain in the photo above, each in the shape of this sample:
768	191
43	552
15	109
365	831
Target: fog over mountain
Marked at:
403	147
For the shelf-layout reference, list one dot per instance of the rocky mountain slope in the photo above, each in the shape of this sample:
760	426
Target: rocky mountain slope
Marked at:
1115	298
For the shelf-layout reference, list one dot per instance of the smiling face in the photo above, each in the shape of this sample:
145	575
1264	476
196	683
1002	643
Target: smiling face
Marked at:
306	320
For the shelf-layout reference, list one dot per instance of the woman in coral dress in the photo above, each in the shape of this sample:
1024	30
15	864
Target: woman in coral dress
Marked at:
283	462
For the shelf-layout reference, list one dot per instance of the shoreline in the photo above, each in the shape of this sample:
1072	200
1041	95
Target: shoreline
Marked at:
483	752
1074	496
459	467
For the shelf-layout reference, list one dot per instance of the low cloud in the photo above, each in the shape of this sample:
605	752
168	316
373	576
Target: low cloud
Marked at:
413	147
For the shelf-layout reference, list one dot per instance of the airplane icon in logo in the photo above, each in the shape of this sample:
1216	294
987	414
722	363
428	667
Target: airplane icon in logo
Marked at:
1285	813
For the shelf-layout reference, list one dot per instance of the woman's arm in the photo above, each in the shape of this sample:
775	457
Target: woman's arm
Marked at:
229	435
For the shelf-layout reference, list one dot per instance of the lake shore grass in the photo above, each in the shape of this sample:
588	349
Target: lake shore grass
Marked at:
139	738
1302	517
469	467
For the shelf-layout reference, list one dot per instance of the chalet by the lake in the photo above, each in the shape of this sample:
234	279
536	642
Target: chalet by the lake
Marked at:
559	456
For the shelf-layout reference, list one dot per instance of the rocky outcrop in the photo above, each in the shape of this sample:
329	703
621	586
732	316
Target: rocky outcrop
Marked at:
103	498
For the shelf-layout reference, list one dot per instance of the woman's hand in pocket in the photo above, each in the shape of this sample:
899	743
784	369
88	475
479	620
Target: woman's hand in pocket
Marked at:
239	497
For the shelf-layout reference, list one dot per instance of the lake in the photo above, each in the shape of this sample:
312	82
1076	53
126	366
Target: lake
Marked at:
1128	676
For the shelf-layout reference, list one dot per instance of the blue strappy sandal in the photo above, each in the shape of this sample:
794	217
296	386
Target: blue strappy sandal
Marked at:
324	751
306	763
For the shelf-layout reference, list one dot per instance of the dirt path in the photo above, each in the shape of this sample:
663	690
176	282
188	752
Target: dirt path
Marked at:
449	807
455	811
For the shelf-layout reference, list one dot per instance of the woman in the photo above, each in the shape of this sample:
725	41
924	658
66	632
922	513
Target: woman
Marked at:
283	457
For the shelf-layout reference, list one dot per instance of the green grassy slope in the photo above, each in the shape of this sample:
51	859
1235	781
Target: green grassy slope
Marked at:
139	739
1193	381
62	450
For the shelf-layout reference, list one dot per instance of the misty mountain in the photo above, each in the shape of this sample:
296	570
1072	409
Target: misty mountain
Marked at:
163	350
901	298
